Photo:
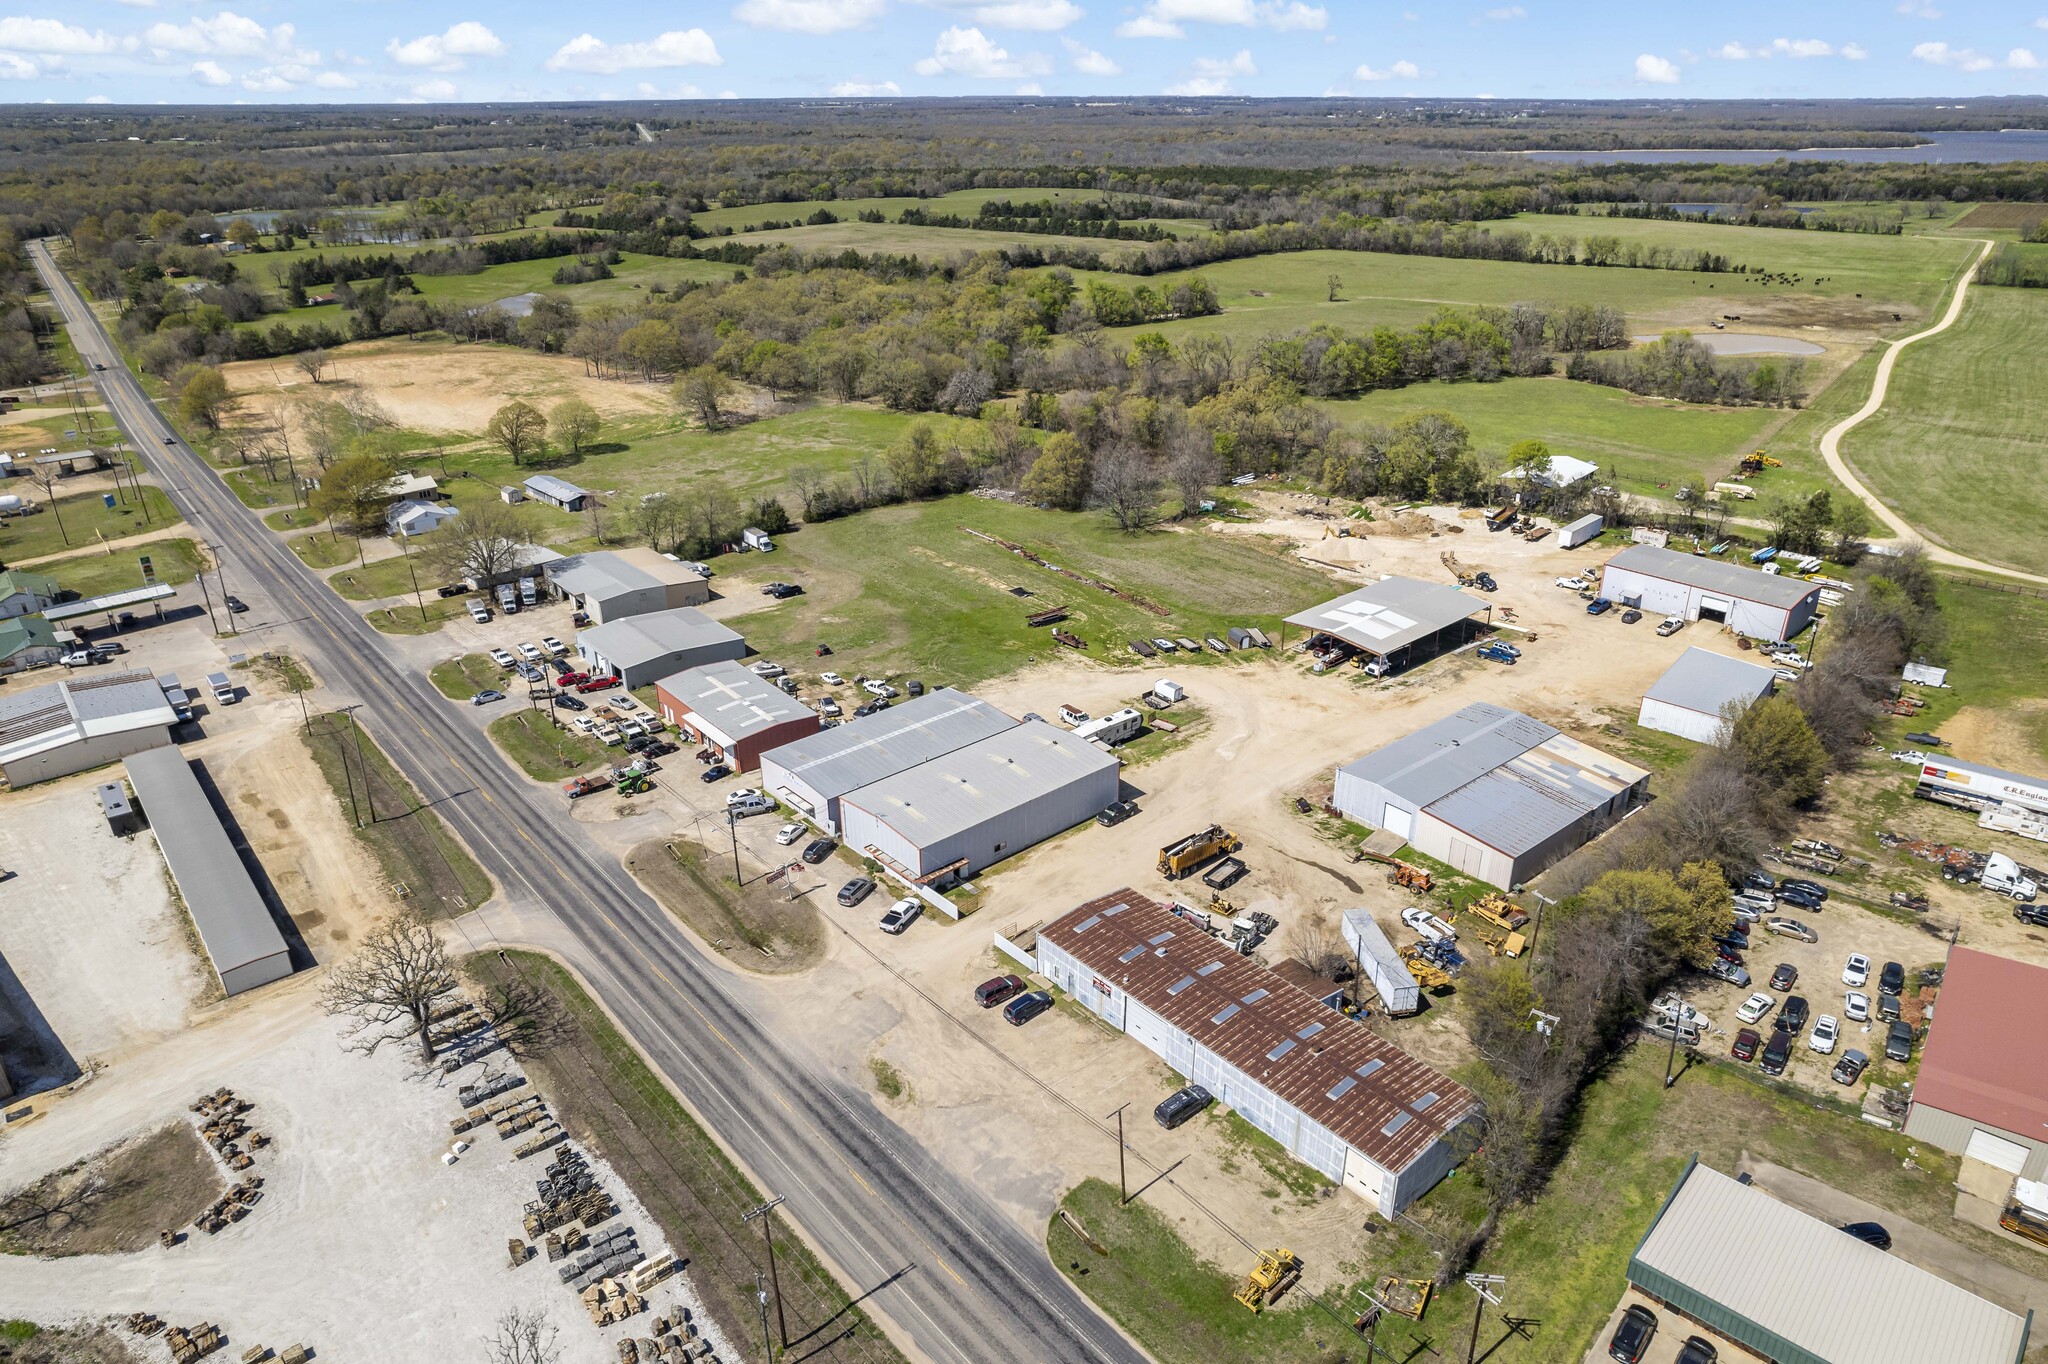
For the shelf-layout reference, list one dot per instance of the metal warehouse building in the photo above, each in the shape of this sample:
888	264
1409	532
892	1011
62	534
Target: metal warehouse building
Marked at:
1697	694
738	714
612	584
1402	620
979	804
1494	793
1696	587
644	649
79	723
1357	1108
234	924
1983	1086
1791	1288
814	774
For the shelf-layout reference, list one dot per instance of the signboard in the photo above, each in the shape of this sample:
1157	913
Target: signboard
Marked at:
107	499
148	571
1103	987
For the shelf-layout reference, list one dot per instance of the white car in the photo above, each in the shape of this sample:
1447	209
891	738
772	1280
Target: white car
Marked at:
875	686
1858	1008
901	915
1784	674
1427	924
1755	1007
1856	971
788	834
1573	584
1671	1006
832	679
1747	913
1670	625
80	658
625	702
501	658
1824	1035
553	645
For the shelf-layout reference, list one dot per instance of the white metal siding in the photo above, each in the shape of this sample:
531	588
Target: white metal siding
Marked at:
84	755
1686	724
1364	1178
1398	821
1149	1028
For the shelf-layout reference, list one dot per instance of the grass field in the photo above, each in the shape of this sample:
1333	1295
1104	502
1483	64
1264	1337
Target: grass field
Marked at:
1641	444
1960	447
542	751
1996	641
896	239
1910	270
81	520
905	591
97	573
965	202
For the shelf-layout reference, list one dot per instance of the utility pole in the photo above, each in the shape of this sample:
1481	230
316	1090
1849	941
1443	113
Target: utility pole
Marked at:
766	1213
1122	1187
200	578
369	792
349	778
417	599
761	1297
1483	1286
732	823
220	571
1543	902
1671	1055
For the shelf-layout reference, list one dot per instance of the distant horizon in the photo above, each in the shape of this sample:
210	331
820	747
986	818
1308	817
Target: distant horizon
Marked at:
141	53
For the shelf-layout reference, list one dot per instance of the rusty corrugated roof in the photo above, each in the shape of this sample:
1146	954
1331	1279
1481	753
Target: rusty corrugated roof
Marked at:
1377	1098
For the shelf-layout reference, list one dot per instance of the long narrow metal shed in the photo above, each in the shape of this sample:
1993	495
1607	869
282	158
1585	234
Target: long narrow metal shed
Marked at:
234	924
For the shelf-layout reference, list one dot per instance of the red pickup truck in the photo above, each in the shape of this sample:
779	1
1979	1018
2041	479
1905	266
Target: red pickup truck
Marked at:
577	788
597	684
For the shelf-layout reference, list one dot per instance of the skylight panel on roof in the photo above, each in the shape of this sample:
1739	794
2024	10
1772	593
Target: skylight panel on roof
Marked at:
1088	923
1180	985
1132	954
1158	938
1395	1124
1224	1014
1310	1031
1365	1071
1286	1045
1211	967
1423	1104
1343	1087
1257	995
1114	910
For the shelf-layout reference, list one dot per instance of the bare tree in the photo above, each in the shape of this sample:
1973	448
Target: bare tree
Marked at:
1193	468
808	484
389	988
662	519
1126	486
1317	945
312	363
523	1337
482	545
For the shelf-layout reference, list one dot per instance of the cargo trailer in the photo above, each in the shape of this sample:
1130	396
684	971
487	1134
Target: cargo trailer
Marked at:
1380	963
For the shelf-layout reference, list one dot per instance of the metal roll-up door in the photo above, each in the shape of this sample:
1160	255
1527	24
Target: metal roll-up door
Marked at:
1996	1152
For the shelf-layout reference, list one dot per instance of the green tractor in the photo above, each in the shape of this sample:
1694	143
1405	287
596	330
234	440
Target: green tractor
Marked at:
633	783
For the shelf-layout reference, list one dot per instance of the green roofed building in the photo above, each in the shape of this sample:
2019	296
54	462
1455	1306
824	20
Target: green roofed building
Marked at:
1787	1287
24	594
27	642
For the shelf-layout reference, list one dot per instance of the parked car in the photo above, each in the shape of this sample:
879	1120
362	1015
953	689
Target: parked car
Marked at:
875	686
1777	1052
1870	1233
597	684
990	993
1730	972
1785	976
1755	1007
1813	888
529	672
767	667
1794	1014
1427	924
748	802
1747	913
1632	1337
832	679
2031	914
1670	625
856	890
914	687
1857	1008
827	706
1898	1041
1117	813
788	834
1760	880
1850	1068
1826	1032
1697	1350
781	590
901	915
1856	970
1496	653
553	645
501	658
818	849
486	696
715	772
1177	1107
1747	1040
1791	928
568	702
873	707
1599	606
1573	584
1026	1007
82	658
529	652
1631	616
1800	899
1892	980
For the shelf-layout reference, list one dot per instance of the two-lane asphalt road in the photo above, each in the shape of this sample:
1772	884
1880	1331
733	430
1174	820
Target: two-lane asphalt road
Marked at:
977	1288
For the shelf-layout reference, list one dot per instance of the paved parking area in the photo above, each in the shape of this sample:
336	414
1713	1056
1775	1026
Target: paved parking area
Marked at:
1672	1331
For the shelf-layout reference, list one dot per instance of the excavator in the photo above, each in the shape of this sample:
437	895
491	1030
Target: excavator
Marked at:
1275	1273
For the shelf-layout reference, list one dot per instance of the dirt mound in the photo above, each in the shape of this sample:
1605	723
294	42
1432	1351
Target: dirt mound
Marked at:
1404	525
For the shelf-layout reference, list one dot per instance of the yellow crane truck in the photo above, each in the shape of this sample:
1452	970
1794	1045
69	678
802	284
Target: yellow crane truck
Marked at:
1178	859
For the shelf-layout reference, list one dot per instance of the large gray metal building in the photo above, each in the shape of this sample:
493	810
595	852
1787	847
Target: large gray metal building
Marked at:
1697	694
1698	587
973	807
611	584
1342	1100
644	649
234	924
813	774
1491	791
76	723
1784	1286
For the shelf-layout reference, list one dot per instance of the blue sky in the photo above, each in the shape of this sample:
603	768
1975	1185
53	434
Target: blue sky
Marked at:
273	51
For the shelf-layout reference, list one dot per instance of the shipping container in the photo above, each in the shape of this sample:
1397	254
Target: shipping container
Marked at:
1381	964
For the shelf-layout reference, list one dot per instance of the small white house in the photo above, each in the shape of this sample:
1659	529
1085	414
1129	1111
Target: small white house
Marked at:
410	517
1699	693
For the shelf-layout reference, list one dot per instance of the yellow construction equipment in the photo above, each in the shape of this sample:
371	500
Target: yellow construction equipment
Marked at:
1498	941
1758	462
1427	973
1336	532
1275	1273
1403	874
1178	859
1409	1297
1500	911
1499	924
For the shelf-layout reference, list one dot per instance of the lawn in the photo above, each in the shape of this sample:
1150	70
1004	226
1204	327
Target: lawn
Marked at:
97	573
1967	414
1564	1256
1641	444
408	619
392	577
1996	641
906	591
542	751
81	520
319	549
460	678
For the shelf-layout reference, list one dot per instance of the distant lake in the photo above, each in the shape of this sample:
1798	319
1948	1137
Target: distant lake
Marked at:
2023	144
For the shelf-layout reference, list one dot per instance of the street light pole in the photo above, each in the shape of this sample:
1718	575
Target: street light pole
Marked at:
220	572
1543	902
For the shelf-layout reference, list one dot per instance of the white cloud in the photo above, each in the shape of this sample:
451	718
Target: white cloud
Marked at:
2041	22
1506	13
678	47
1802	47
210	73
1403	70
1736	52
808	16
970	52
430	90
15	67
226	34
1796	48
1918	9
98	99
1213	75
1030	88
1089	62
2022	59
136	4
53	37
1961	58
865	89
447	51
1036	16
267	82
334	80
1656	70
1163	18
1855	52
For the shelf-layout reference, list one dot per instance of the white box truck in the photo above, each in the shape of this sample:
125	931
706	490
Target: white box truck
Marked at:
753	537
223	690
1380	964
